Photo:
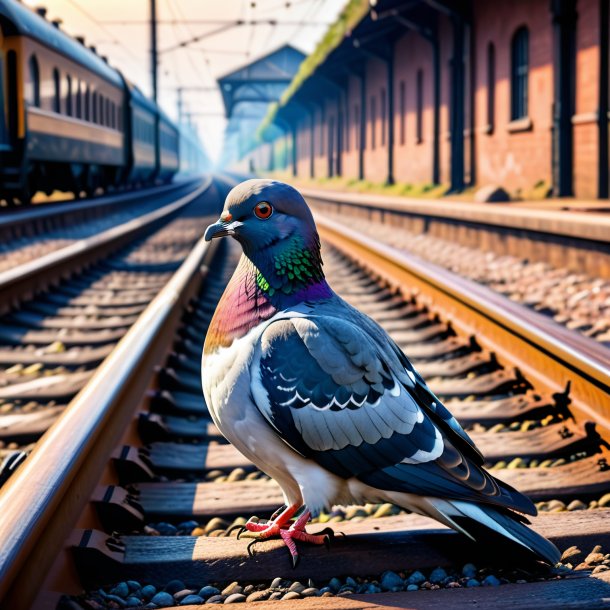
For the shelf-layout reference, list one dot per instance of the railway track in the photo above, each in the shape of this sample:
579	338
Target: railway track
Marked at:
30	234
132	492
51	344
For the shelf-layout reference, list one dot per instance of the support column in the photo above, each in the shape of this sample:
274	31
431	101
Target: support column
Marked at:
390	87
457	105
312	150
564	59
362	126
436	111
294	149
602	107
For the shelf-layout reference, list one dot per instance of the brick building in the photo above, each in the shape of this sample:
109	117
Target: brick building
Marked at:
472	92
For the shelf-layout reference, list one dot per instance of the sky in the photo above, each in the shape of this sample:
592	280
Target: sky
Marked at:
120	30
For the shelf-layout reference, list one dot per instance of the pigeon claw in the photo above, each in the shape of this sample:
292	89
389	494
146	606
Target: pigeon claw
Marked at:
237	526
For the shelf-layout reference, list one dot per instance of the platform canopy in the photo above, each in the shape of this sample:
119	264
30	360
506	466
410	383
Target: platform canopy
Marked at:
248	91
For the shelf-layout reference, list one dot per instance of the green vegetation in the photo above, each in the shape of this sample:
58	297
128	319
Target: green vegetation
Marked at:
400	189
352	14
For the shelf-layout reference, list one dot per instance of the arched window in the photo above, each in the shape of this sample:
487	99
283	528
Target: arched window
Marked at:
491	87
519	73
419	125
68	95
79	100
94	107
87	114
34	82
57	95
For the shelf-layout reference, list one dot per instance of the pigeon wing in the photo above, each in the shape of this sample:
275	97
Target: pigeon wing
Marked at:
339	396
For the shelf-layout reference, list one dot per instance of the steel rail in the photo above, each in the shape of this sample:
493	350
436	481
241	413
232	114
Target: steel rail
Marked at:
36	275
49	211
545	352
42	501
578	225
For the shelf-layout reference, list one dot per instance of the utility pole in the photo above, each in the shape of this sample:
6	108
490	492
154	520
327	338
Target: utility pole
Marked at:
179	105
154	64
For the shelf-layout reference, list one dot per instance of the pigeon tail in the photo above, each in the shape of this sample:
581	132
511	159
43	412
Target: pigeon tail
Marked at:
495	526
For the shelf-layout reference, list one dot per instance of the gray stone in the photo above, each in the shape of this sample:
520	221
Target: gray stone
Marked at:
438	575
416	578
335	584
182	594
208	591
309	592
116	599
469	570
492	193
163	599
234	587
148	591
491	581
473	582
276	583
216	599
291	595
412	587
122	590
235	598
173	586
390	580
191	599
133	585
133	602
258	596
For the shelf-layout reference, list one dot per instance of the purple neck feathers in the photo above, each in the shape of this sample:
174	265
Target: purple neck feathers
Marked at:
251	297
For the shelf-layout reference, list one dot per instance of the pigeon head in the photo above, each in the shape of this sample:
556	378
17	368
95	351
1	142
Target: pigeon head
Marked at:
277	232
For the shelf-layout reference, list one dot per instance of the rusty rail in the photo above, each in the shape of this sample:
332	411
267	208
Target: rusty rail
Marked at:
36	275
43	499
544	351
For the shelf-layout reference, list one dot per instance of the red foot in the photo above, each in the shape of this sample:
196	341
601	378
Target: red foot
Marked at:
276	527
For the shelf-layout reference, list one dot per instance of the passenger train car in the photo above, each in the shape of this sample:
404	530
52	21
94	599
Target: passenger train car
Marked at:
69	121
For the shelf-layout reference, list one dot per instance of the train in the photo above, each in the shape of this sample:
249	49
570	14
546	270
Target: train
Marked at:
71	122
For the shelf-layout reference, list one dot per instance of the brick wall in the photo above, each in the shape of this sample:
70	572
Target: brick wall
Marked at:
516	160
585	131
514	154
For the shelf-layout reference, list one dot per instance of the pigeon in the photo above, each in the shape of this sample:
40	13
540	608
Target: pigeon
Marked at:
321	399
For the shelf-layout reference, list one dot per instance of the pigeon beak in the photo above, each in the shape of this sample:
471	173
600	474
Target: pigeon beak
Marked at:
221	229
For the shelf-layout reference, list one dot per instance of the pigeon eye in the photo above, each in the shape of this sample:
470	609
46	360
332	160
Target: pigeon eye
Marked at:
263	210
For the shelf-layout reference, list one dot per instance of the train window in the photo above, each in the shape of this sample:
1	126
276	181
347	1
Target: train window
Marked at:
68	95
94	107
87	113
34	97
109	114
57	86
100	110
79	100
